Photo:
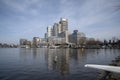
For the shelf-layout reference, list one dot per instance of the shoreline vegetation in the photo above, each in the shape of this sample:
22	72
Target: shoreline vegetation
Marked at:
106	75
86	44
89	44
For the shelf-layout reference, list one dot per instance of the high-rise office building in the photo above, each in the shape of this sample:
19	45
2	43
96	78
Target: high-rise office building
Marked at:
55	29
59	28
49	31
59	31
66	36
45	35
64	24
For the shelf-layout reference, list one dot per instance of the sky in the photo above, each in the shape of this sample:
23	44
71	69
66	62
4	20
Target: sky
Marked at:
99	19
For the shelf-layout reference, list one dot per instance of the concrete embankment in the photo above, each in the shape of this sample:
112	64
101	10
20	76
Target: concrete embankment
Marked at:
105	75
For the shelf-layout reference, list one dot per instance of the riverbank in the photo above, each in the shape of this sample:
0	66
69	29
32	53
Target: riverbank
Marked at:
105	75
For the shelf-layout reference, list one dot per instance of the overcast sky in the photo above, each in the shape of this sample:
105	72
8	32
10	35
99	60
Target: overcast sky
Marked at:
99	19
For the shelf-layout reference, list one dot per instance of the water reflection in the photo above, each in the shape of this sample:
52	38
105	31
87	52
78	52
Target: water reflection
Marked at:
25	53
58	59
66	62
79	55
34	50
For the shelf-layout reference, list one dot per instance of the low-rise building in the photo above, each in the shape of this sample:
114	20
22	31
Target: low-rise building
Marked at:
77	38
36	42
24	43
53	40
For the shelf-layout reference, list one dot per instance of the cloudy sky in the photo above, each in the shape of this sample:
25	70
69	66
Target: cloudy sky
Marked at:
29	18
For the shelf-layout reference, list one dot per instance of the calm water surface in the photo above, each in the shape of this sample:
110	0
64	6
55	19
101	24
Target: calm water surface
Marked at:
39	64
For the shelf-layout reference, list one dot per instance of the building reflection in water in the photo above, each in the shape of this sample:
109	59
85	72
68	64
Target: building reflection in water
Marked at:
64	57
25	53
58	59
78	55
35	51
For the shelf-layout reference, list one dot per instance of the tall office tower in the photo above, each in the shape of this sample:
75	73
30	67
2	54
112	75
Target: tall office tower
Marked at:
59	28
66	34
49	31
45	35
55	29
64	24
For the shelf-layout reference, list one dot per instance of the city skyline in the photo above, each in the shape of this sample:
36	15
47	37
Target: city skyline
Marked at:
30	18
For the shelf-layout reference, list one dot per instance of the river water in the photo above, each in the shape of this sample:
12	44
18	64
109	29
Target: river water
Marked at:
52	64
